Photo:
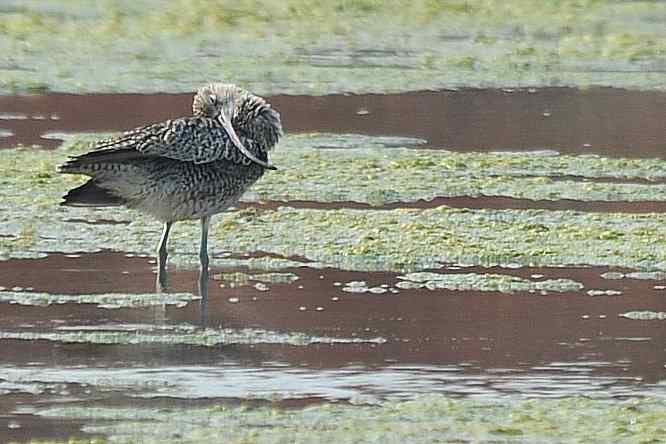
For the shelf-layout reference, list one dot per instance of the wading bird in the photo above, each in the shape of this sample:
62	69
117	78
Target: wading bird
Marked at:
187	168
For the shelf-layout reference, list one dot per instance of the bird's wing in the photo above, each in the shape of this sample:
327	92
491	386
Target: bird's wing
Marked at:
195	139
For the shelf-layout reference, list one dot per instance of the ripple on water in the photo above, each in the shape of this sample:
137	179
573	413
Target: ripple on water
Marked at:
273	381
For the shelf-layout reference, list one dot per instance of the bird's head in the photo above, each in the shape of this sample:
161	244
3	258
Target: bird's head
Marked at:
215	99
239	110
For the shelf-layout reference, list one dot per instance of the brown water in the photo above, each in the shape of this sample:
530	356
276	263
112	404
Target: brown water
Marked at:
463	343
434	334
489	329
607	121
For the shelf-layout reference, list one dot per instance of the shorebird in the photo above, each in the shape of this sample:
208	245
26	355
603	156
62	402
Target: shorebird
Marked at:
186	168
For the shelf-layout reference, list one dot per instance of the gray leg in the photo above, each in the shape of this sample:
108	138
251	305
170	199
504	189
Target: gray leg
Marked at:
161	281
203	256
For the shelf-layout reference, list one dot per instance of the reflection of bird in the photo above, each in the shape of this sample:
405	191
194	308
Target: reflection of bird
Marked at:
187	168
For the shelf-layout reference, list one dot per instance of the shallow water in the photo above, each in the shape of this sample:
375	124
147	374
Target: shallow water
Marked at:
607	121
312	333
509	334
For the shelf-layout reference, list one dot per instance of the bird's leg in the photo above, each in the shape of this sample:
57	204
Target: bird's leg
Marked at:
203	256
161	281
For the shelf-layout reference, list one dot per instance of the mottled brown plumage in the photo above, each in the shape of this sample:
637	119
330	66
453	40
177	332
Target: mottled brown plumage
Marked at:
187	168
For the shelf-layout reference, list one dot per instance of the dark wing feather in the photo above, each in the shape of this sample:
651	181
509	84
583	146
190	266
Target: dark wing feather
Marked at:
198	140
125	138
194	139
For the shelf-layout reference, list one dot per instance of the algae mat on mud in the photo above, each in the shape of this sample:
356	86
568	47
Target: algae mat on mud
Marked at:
396	240
424	419
180	335
32	224
108	301
304	46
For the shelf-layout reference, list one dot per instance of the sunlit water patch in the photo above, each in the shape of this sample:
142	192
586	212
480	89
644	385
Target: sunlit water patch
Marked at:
278	381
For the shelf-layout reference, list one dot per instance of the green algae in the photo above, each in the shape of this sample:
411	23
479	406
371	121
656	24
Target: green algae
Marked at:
640	275
392	240
378	176
31	222
595	292
275	278
239	279
612	275
485	282
69	441
644	315
264	263
521	163
301	46
385	240
423	419
362	287
7	387
645	275
204	338
108	301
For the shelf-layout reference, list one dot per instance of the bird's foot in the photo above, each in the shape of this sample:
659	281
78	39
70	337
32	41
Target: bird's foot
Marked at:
161	283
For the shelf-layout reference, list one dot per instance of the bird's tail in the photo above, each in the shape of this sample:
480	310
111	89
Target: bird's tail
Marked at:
99	160
91	195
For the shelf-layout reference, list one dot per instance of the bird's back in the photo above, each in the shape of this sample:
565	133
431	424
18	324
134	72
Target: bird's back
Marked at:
178	169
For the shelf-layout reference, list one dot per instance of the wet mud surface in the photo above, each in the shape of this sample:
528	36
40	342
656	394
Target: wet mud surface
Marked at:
520	288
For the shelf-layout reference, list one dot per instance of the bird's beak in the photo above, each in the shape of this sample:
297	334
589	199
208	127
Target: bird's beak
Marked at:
231	132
